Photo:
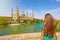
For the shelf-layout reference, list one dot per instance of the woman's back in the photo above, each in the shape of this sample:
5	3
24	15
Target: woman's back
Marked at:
48	37
49	32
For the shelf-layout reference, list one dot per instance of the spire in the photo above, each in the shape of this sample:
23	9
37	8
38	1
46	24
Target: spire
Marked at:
12	12
23	14
26	13
17	12
17	9
32	14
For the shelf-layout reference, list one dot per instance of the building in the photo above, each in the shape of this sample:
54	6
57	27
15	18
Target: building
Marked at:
16	16
23	16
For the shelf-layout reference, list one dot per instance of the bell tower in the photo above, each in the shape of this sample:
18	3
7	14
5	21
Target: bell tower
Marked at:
26	13
23	14
17	13
32	14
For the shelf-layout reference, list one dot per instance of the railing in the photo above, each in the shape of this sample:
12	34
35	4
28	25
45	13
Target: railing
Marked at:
26	36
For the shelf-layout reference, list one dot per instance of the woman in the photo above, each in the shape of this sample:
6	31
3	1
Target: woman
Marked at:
49	32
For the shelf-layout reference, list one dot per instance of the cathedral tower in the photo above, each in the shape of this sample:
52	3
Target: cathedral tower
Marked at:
26	13
17	13
32	14
23	14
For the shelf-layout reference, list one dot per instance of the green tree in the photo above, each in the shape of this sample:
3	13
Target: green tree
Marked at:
4	21
58	27
18	20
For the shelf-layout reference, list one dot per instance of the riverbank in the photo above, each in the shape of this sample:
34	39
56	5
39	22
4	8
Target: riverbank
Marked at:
25	36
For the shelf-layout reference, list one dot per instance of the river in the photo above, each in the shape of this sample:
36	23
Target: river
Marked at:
8	30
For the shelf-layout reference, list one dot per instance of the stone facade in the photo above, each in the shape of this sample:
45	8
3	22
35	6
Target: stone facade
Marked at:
23	16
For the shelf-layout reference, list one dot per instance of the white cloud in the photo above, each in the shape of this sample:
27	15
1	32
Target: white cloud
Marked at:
55	10
40	15
55	13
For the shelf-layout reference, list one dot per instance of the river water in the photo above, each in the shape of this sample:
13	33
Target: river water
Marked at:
21	29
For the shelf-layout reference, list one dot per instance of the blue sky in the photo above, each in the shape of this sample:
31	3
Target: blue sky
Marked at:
40	7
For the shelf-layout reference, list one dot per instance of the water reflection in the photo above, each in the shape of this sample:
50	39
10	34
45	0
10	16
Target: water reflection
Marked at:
21	29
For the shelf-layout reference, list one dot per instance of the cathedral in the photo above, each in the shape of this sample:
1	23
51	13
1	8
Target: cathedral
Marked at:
23	16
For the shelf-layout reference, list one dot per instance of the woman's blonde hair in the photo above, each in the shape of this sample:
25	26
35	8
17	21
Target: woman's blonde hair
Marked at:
49	27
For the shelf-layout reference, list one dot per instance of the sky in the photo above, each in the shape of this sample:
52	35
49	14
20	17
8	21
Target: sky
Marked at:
40	7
